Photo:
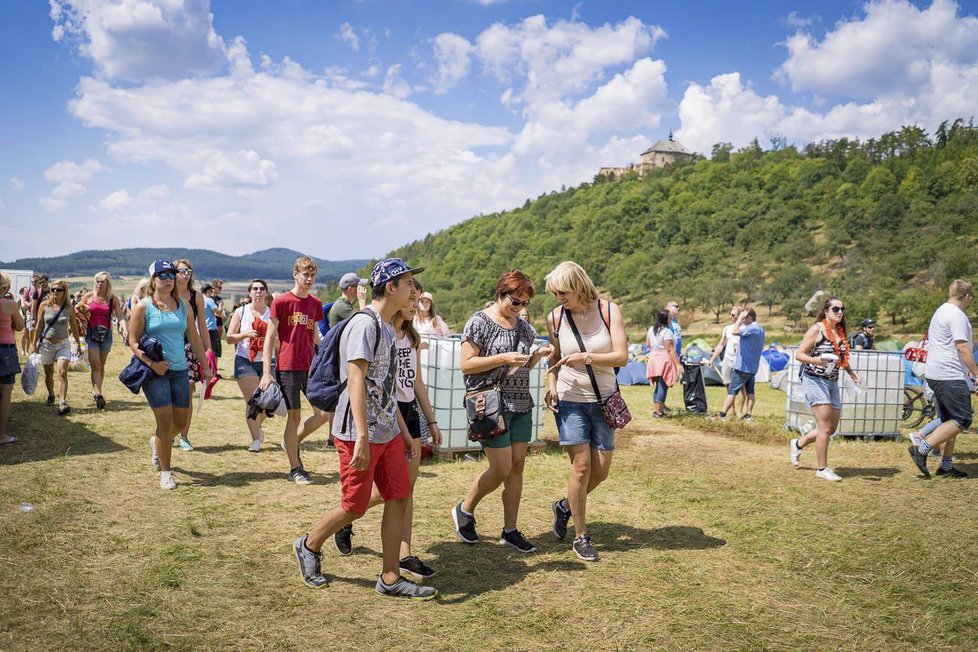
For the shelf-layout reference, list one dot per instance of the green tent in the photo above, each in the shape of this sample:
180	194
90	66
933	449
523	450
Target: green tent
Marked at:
889	345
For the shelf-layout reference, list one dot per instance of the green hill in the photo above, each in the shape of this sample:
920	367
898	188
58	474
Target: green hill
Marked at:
272	264
885	223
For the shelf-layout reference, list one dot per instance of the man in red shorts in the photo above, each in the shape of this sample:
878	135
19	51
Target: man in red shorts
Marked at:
370	434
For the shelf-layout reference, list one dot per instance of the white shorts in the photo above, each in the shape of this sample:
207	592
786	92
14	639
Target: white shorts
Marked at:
51	351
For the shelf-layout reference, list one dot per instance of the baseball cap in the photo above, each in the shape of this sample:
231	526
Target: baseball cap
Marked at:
350	279
389	269
160	266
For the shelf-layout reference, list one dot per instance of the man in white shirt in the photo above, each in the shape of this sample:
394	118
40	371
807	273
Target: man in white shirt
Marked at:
949	360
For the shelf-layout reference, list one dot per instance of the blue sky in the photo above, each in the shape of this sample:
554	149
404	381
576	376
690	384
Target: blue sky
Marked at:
347	128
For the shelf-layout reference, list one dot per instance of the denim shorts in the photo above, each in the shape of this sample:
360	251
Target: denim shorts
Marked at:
170	389
821	391
245	367
104	346
583	423
519	430
953	401
9	351
741	379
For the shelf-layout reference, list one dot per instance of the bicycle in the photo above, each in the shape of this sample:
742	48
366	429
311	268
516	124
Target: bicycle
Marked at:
916	408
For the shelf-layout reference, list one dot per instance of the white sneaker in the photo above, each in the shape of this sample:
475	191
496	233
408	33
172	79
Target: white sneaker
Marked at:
827	474
255	446
915	439
795	452
154	458
167	481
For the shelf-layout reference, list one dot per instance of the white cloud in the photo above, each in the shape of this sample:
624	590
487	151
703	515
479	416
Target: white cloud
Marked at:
154	193
116	201
16	183
452	52
138	40
795	19
349	36
394	84
69	171
242	169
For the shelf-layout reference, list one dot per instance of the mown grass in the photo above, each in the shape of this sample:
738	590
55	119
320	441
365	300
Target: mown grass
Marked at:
709	538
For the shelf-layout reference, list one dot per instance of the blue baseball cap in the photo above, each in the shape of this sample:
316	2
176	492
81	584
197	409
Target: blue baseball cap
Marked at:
160	266
389	269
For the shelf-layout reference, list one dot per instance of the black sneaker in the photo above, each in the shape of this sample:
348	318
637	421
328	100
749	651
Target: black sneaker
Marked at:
403	588
953	473
584	549
417	567
342	540
299	475
515	539
50	400
464	525
63	408
746	417
561	516
99	402
309	568
919	459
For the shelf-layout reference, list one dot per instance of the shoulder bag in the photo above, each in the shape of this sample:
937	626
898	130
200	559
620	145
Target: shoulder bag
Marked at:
613	408
484	407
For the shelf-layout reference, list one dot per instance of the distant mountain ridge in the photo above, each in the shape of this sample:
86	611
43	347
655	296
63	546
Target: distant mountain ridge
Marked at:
271	264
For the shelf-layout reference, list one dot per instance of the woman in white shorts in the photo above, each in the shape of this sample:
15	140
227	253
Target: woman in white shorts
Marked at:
822	353
55	320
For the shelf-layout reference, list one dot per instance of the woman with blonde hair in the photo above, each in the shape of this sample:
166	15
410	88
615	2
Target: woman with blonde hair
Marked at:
194	299
589	340
165	317
10	320
101	304
55	320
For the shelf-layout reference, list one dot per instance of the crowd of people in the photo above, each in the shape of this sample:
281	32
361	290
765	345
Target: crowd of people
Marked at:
382	408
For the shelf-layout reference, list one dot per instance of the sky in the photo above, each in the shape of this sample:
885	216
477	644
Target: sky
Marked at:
345	128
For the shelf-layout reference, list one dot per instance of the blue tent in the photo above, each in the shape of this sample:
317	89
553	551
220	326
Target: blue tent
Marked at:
633	373
777	360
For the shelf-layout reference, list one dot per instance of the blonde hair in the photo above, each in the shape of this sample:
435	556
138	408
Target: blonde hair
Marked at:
108	284
175	293
50	300
141	287
305	264
959	289
185	263
571	277
5	283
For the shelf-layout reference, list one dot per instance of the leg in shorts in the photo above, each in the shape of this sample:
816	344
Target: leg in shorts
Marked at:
411	418
104	346
519	430
293	385
387	469
821	391
52	351
583	423
953	401
741	379
245	367
172	389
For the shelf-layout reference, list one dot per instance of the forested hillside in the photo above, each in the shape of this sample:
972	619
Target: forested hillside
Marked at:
269	263
885	223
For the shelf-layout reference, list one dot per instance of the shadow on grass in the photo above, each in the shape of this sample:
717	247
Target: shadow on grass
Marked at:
44	435
617	537
245	478
871	474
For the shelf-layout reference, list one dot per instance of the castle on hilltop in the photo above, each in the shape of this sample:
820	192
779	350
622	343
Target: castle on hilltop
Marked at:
658	156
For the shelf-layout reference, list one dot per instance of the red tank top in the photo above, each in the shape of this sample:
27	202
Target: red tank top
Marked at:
100	314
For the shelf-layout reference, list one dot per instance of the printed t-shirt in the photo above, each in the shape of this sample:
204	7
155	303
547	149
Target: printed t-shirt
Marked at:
357	343
296	329
407	369
949	324
677	332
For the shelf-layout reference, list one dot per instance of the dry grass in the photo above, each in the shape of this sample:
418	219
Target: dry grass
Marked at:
710	540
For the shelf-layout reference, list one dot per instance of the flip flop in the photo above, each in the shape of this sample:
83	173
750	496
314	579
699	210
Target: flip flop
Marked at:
12	440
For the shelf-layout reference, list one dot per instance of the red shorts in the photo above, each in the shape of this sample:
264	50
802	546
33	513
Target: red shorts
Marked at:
387	469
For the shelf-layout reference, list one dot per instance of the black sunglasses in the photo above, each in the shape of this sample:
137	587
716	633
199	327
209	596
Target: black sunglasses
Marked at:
166	276
838	309
58	290
517	302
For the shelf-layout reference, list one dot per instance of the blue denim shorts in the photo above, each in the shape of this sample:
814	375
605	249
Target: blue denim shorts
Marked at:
583	423
740	379
105	345
170	389
821	391
245	367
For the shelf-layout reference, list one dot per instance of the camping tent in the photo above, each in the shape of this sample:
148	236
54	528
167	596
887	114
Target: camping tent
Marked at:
889	345
633	373
776	360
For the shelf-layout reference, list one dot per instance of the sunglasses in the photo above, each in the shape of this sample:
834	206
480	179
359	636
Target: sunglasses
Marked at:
166	276
57	290
184	271
838	309
258	288
517	302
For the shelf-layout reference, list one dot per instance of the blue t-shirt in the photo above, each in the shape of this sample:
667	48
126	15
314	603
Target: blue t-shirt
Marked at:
209	317
168	328
677	330
751	345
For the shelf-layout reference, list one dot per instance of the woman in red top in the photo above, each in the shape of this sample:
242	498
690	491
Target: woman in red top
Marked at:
101	304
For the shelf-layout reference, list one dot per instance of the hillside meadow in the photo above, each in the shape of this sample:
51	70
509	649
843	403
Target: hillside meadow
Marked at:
709	540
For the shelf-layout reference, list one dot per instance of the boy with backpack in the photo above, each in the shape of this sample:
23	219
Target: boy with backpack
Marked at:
368	429
293	321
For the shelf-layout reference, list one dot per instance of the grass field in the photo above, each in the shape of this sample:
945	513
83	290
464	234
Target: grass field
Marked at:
709	540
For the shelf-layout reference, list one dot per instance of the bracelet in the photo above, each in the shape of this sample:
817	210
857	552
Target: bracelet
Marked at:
431	423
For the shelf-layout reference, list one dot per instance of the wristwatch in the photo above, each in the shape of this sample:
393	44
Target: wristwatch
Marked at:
587	359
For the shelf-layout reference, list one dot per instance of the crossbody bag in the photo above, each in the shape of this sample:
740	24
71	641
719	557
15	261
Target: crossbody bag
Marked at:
51	324
613	408
484	407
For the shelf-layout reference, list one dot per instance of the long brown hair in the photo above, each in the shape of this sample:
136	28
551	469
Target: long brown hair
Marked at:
825	311
186	263
407	325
